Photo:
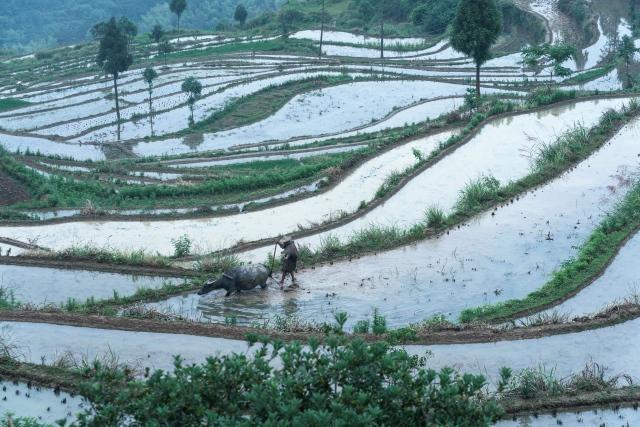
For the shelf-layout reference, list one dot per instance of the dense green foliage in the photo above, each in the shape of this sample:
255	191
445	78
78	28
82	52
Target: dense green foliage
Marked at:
476	28
36	24
576	9
10	104
339	382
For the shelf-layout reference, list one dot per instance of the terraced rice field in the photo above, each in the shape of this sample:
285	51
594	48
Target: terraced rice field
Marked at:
503	234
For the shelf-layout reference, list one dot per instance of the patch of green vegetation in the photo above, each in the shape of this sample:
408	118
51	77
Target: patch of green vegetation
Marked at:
12	103
548	95
589	75
110	256
231	180
543	382
112	306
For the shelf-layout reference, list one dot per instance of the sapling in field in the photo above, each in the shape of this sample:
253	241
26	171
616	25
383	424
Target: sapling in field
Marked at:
156	34
165	48
150	75
193	88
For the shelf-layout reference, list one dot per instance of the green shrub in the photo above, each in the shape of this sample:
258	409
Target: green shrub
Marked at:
336	382
181	246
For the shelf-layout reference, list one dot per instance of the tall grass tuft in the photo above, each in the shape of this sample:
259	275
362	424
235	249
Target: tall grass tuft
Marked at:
477	193
435	217
565	149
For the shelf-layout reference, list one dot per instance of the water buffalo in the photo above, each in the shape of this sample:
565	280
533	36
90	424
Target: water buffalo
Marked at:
239	279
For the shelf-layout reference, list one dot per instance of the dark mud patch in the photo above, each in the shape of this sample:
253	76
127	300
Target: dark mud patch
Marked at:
11	191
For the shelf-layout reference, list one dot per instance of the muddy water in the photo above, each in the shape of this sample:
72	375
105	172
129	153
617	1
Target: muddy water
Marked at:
415	114
594	417
329	110
45	343
498	256
41	403
608	82
44	146
344	37
42	286
619	282
614	347
503	149
216	233
176	119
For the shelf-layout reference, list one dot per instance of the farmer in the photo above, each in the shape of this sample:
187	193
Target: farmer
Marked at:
289	259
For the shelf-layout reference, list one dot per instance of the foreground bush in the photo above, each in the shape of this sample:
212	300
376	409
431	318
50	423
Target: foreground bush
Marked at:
338	382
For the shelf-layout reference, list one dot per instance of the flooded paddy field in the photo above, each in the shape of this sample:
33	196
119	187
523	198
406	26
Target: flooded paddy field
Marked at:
45	405
39	286
588	417
331	146
531	238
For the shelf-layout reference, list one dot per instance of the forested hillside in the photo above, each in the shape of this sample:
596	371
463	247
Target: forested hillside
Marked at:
401	17
35	24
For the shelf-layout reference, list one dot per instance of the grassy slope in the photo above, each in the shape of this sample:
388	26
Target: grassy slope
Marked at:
11	104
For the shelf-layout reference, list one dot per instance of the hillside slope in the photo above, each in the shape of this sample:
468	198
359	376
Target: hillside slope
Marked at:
36	24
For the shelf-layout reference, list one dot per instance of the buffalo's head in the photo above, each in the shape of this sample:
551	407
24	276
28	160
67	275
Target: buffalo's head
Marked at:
224	282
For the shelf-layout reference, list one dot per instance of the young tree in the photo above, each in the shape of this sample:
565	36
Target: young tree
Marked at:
553	56
149	76
476	28
114	56
177	7
193	88
626	52
240	15
165	48
156	34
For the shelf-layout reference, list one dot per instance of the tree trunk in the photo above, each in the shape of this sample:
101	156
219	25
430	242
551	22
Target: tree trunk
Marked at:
478	81
321	30
178	30
381	37
151	107
115	88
